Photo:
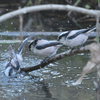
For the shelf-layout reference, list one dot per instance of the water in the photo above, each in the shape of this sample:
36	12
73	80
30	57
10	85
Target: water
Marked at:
49	83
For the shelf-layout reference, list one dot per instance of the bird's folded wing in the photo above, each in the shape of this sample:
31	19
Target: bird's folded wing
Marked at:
43	46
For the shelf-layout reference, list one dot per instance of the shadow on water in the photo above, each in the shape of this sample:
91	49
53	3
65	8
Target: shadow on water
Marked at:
49	83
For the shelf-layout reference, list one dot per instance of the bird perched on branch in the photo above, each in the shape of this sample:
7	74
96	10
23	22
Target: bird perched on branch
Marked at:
12	66
75	38
43	47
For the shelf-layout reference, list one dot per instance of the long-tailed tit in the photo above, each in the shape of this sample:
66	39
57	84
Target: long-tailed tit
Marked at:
12	66
75	38
43	47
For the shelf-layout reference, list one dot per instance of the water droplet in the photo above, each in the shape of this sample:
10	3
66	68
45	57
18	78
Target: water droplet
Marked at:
42	30
11	22
68	21
51	29
88	88
5	50
57	24
7	31
52	18
55	73
58	15
89	25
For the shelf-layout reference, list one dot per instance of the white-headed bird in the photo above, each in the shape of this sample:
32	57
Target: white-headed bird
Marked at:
75	38
43	47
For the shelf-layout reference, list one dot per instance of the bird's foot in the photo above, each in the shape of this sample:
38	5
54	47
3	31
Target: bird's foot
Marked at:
79	48
72	50
45	60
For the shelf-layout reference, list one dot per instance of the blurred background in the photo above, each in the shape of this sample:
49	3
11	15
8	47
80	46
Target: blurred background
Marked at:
47	20
50	82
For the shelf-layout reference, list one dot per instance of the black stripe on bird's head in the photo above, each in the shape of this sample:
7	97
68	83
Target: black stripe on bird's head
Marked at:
33	43
63	34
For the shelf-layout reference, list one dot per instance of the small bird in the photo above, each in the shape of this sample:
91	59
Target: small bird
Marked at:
75	38
12	66
43	47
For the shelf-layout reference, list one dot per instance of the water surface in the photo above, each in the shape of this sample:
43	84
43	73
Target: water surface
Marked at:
48	83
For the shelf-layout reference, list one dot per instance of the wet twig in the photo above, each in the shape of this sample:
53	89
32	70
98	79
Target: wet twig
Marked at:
55	58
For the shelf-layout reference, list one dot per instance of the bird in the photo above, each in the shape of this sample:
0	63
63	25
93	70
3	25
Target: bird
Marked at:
74	38
44	47
12	66
13	63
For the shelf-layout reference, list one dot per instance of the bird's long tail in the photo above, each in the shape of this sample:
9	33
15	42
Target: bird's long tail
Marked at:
90	30
23	44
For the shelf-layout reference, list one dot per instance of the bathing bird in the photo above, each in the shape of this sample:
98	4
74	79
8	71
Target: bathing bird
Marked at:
75	38
12	66
43	47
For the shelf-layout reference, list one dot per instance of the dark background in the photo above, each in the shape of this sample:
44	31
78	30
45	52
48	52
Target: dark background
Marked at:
47	20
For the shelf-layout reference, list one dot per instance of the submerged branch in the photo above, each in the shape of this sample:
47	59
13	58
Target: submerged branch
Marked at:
55	58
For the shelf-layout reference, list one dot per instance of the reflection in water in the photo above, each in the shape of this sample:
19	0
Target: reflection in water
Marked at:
49	83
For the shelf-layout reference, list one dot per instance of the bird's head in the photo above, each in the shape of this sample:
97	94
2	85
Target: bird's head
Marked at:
62	35
33	43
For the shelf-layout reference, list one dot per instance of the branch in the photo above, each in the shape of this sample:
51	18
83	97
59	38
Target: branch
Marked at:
48	7
21	25
55	58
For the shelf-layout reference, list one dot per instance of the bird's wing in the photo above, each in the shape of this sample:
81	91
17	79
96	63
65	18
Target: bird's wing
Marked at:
75	33
43	46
